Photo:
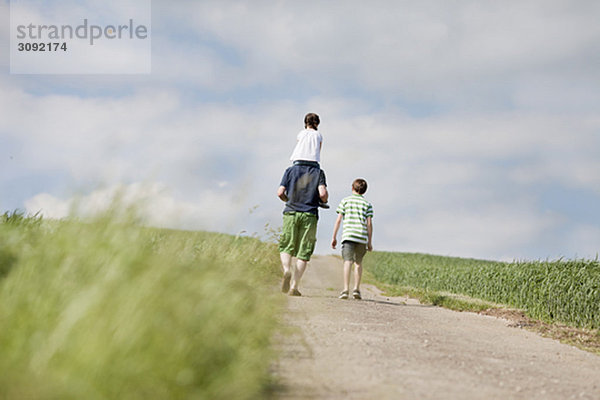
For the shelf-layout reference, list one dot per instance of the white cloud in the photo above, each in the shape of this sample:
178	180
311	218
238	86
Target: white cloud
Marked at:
498	231
152	203
48	206
423	50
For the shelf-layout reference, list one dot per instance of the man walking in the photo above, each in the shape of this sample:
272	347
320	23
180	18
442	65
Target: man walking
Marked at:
302	187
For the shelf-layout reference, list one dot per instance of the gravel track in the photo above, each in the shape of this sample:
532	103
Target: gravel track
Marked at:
396	348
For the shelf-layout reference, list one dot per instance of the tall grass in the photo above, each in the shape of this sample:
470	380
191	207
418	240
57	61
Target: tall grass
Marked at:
566	291
110	310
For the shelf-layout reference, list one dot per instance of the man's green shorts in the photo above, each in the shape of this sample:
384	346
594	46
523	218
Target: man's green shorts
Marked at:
299	234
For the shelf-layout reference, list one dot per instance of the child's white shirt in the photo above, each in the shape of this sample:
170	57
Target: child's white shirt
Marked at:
308	147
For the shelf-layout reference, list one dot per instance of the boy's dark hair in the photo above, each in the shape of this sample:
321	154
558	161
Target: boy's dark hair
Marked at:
311	121
359	186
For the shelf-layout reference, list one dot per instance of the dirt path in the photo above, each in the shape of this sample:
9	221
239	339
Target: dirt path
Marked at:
395	348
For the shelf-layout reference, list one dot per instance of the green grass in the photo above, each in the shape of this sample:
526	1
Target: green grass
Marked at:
565	291
110	310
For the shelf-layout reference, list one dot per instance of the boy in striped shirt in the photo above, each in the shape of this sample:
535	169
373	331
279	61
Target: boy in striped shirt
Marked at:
357	214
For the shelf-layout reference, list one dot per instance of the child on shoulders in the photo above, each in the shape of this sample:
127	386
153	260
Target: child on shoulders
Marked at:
308	145
309	141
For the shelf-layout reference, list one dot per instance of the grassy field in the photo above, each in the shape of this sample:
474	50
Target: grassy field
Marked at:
564	291
107	310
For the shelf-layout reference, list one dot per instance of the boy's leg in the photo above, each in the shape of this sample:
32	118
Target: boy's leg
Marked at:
348	257
359	252
357	275
347	268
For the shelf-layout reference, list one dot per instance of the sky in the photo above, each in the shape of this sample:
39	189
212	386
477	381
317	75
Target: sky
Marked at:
475	123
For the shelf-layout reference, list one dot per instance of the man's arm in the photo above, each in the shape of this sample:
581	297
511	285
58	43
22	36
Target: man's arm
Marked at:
281	193
336	227
370	233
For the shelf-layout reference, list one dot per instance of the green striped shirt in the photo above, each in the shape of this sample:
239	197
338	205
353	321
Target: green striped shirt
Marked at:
355	210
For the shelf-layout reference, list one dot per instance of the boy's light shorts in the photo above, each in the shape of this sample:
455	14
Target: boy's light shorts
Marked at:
353	251
299	235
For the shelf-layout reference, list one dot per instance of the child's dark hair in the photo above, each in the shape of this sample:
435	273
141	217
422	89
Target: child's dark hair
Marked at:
311	121
359	186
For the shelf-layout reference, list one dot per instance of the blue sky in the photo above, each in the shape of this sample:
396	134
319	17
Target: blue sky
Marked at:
475	123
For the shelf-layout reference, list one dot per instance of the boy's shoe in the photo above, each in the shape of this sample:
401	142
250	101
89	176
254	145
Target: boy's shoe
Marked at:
323	205
295	292
344	295
356	295
285	284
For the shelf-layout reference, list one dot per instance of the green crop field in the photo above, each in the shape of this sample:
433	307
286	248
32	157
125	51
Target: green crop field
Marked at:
111	310
566	291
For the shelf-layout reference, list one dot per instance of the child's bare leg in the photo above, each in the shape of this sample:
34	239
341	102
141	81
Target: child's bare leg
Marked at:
347	268
357	275
298	272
